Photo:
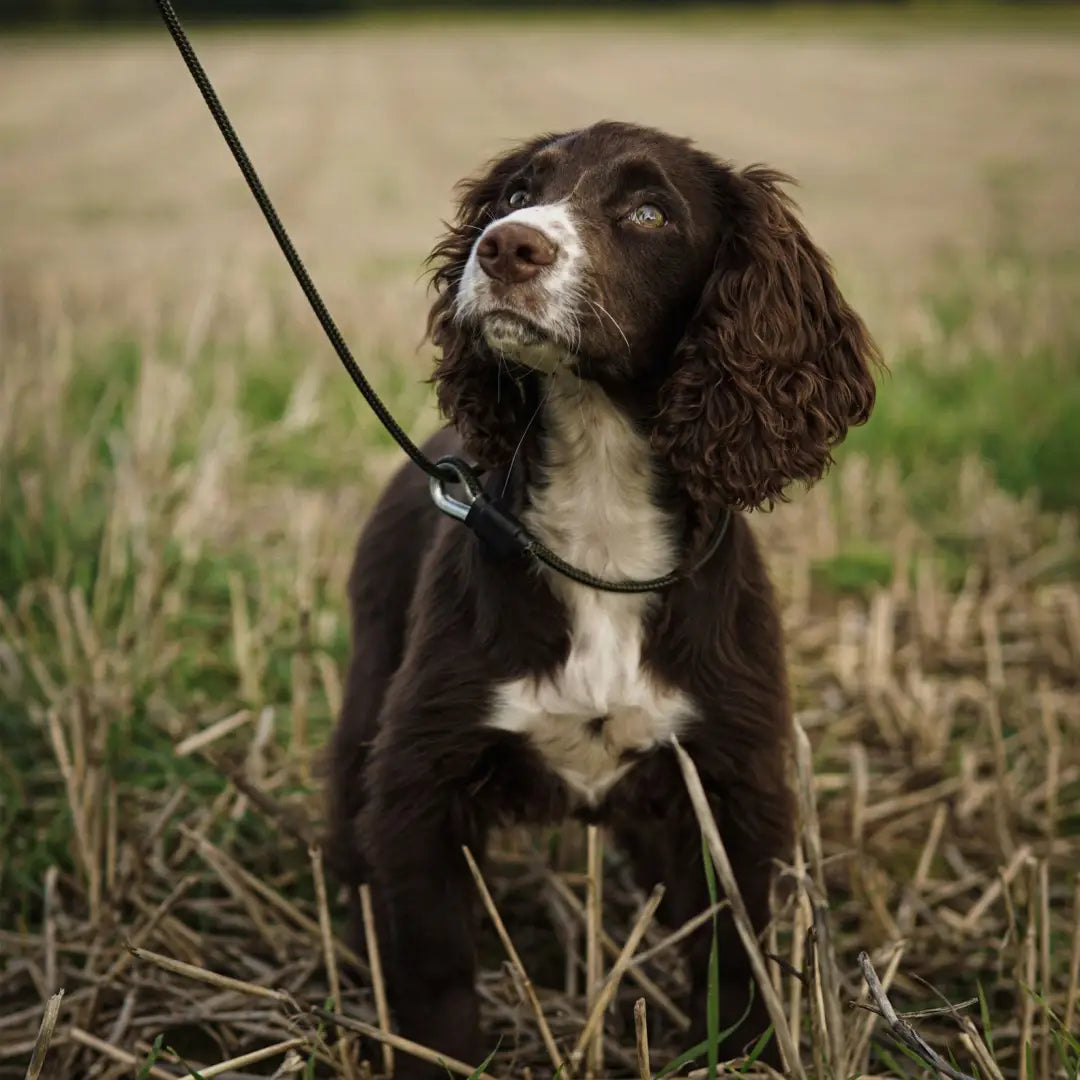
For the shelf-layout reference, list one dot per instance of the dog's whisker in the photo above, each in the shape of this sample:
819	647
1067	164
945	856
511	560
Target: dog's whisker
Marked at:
597	306
521	442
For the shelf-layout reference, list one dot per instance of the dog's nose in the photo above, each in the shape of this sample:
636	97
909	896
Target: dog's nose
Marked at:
513	252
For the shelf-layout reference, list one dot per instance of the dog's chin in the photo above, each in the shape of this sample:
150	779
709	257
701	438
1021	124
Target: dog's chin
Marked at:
516	339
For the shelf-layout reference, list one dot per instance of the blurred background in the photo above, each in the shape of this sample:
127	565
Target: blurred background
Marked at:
184	469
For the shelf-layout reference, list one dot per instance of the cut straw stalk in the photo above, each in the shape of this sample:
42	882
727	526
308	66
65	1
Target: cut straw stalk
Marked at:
346	1023
116	1054
772	937
973	1041
212	732
149	926
594	1024
406	1046
995	889
270	896
44	1036
824	954
1028	961
905	916
641	1040
378	984
248	901
252	1058
861	1045
1045	969
329	957
983	1058
743	925
666	1005
557	1060
812	972
84	844
594	957
301	692
325	932
211	978
801	920
676	936
1072	997
901	1029
51	904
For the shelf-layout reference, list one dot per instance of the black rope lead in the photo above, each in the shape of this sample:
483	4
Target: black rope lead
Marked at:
296	264
481	514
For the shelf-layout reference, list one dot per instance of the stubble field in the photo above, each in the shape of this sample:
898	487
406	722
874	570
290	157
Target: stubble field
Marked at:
183	470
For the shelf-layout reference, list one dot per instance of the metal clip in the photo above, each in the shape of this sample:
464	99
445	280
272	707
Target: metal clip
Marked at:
450	506
500	534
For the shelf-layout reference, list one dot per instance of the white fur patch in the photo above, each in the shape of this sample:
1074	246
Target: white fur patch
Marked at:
596	511
559	285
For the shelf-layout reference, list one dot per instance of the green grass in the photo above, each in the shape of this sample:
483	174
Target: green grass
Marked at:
140	587
997	379
1019	414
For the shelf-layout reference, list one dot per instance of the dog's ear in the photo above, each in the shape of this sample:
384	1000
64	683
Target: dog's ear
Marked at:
774	366
474	390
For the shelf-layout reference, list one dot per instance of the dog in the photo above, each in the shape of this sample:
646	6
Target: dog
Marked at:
637	344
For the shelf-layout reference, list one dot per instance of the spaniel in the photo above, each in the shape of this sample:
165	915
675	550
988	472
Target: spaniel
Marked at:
637	344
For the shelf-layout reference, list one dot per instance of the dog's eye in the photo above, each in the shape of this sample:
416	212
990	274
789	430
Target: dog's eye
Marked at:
518	198
648	216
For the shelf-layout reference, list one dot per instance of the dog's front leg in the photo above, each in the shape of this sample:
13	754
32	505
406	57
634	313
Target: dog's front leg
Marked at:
418	821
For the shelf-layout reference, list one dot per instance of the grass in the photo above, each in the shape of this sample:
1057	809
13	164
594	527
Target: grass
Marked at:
1019	414
166	570
997	377
183	470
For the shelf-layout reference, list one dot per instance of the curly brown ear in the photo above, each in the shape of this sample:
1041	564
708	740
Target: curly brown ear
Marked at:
475	390
774	367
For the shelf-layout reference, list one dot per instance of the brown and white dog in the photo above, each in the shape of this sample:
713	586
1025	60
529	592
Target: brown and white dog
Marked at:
634	340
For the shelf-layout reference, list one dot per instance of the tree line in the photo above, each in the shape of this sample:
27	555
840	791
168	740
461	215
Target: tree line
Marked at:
93	12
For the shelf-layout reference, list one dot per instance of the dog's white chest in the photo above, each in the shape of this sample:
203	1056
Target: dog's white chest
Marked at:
602	708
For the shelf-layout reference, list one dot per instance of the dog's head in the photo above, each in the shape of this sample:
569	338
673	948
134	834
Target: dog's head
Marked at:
632	258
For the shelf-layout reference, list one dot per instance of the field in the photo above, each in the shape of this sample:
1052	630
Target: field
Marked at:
184	467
